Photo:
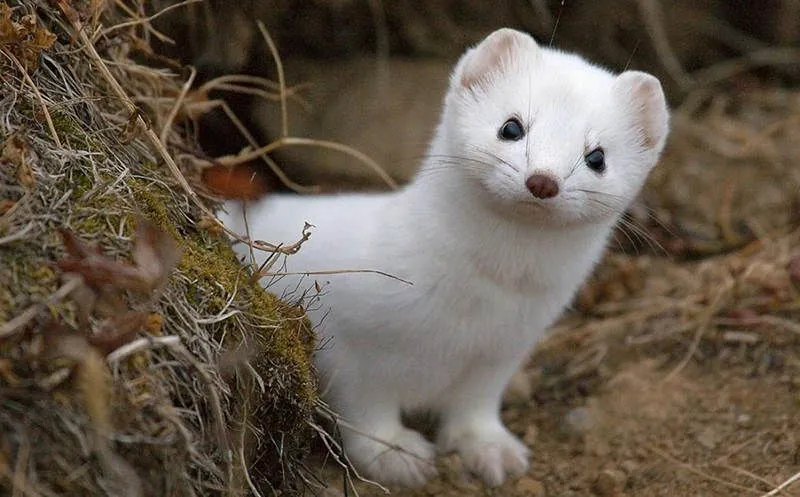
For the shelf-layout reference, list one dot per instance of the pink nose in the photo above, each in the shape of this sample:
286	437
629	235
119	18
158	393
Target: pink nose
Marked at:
542	186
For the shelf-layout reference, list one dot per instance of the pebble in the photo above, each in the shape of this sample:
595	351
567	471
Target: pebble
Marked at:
610	483
578	421
531	433
744	420
708	438
630	466
530	488
519	390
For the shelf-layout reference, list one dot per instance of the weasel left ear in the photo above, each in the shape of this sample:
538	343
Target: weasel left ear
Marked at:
645	101
491	56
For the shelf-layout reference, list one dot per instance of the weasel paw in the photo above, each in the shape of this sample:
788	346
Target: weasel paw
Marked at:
492	455
405	459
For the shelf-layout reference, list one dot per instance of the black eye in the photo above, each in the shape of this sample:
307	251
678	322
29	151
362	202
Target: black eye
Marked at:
596	160
511	130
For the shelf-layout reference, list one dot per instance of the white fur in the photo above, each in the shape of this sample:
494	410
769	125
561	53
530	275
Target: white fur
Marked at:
491	266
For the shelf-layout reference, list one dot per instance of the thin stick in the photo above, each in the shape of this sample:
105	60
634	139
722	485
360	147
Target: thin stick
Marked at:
653	16
39	96
705	320
782	486
11	327
149	29
281	77
771	56
139	345
146	20
173	112
692	469
16	235
309	142
343	271
216	406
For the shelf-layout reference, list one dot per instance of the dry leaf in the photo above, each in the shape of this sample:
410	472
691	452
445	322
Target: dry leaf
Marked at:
242	181
98	270
93	380
115	332
155	254
25	40
91	376
15	151
153	324
6	205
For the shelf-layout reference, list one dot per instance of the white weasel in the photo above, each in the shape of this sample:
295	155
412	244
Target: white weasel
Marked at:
536	156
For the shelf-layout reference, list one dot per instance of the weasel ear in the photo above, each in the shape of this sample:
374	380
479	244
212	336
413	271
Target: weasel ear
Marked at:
491	55
644	99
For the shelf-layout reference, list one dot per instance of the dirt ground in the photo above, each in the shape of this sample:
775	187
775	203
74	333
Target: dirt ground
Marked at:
726	428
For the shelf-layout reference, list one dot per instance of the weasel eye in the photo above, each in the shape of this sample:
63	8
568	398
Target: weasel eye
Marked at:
596	160
511	130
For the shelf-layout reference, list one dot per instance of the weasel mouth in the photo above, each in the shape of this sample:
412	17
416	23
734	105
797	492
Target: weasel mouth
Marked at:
533	203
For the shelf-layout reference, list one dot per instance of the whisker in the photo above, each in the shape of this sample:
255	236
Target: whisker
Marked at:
630	227
496	157
651	215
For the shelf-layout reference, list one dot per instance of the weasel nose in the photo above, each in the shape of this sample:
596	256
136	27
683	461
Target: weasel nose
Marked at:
542	186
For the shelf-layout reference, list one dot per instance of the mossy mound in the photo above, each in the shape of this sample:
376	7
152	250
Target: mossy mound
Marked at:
211	391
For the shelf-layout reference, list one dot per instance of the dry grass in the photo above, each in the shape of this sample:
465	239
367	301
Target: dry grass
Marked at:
209	389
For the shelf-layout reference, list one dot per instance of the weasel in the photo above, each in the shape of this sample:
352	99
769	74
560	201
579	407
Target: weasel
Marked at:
536	156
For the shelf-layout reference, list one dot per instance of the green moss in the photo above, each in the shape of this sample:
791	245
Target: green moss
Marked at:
210	263
25	276
73	132
152	200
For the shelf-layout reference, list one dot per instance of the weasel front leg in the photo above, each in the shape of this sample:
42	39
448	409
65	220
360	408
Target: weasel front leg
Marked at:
471	425
378	444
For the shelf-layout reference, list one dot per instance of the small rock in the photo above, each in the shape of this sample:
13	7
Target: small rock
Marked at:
578	421
529	487
610	483
630	466
708	438
744	420
598	446
531	433
519	390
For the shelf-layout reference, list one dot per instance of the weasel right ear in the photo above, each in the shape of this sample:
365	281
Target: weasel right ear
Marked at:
646	104
491	56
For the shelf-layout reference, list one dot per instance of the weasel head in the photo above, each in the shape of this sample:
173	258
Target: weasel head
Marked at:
548	135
